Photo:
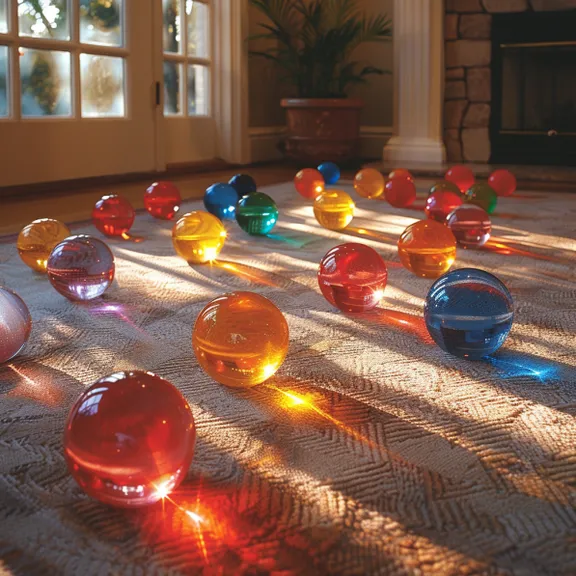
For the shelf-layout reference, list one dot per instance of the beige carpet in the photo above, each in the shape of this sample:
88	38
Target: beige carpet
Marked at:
371	451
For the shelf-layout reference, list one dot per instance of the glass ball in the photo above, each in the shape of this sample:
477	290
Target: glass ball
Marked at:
482	195
400	192
400	174
309	183
503	182
256	214
220	200
15	324
81	267
469	313
334	209
37	240
129	439
113	215
369	183
462	176
243	184
330	172
470	225
162	200
427	248
441	203
353	277
240	339
444	186
198	237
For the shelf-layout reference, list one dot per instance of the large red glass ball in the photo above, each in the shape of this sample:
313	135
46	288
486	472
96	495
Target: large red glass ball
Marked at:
441	203
462	176
400	174
400	192
503	182
129	439
353	277
162	200
113	215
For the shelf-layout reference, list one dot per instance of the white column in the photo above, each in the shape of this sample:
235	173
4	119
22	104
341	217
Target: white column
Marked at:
418	83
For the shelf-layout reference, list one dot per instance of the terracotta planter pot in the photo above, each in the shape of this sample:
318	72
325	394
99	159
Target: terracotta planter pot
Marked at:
322	129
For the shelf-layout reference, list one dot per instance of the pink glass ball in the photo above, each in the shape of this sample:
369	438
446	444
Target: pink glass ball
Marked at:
441	203
129	439
400	192
113	215
503	182
462	176
15	324
353	277
81	267
162	200
470	225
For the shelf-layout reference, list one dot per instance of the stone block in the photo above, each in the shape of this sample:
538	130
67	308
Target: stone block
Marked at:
477	116
455	90
454	112
468	53
451	27
476	144
479	85
463	6
454	73
453	145
476	26
505	5
544	5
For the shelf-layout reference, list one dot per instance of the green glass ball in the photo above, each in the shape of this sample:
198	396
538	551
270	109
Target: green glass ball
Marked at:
444	186
256	214
482	195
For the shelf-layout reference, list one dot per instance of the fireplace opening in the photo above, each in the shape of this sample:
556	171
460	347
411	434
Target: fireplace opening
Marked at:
534	88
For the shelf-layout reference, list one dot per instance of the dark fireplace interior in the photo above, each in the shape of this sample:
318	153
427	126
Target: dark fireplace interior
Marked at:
533	117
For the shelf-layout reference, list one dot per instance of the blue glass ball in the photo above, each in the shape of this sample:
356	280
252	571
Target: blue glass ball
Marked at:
469	313
243	184
330	171
220	200
257	214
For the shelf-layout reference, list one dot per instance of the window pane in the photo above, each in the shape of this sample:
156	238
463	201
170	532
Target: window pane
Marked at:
45	83
101	22
3	81
172	98
102	84
198	90
171	17
44	18
3	17
197	18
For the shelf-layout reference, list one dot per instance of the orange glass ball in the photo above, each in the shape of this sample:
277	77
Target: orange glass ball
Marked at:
129	439
198	237
113	215
441	203
427	248
400	173
162	200
503	182
38	239
369	183
400	192
309	183
334	209
240	339
462	176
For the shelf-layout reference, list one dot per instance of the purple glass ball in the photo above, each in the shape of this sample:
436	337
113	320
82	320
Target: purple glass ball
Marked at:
15	324
81	267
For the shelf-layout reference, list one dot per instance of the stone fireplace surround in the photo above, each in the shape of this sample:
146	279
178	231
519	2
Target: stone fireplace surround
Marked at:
442	74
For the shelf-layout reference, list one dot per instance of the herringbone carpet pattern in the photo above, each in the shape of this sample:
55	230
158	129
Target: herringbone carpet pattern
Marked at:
370	452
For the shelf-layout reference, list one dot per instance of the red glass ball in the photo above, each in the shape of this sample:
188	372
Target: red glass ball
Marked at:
401	174
353	277
400	192
113	215
129	439
462	176
441	203
503	182
162	200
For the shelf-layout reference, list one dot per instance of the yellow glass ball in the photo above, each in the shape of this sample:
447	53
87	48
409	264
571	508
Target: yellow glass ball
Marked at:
38	239
334	209
240	339
198	237
369	183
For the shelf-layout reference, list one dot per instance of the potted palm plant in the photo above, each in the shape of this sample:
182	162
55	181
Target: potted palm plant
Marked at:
313	43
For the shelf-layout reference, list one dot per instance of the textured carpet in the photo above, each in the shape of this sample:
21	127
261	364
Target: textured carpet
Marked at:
370	452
